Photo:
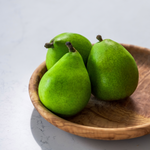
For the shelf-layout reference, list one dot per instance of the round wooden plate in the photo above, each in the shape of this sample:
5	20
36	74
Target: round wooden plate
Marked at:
116	120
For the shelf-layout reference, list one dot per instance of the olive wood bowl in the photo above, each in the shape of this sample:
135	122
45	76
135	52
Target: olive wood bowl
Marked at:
114	120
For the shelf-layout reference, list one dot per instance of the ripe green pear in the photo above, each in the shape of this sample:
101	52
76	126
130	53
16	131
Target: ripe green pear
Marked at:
112	69
57	47
65	89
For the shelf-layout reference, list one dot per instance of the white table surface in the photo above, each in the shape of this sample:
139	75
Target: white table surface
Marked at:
24	28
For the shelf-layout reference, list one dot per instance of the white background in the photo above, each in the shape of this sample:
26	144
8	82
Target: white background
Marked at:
25	26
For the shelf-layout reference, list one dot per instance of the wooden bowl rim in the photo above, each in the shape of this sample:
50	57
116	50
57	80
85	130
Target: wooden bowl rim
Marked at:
42	110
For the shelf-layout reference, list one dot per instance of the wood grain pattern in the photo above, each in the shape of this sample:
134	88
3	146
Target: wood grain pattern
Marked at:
115	120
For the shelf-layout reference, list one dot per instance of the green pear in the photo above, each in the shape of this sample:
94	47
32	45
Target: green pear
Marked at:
65	89
57	47
112	69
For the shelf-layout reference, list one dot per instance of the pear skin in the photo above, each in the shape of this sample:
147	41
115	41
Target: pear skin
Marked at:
112	69
57	47
65	89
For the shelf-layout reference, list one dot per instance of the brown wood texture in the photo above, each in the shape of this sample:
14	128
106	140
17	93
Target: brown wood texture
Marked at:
115	120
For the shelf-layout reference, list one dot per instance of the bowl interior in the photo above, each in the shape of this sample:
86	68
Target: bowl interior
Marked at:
132	111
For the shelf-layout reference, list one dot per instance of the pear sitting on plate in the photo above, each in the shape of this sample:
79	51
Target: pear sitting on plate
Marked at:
112	69
65	89
57	47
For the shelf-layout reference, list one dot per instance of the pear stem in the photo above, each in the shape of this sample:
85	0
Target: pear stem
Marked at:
70	47
48	45
99	37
